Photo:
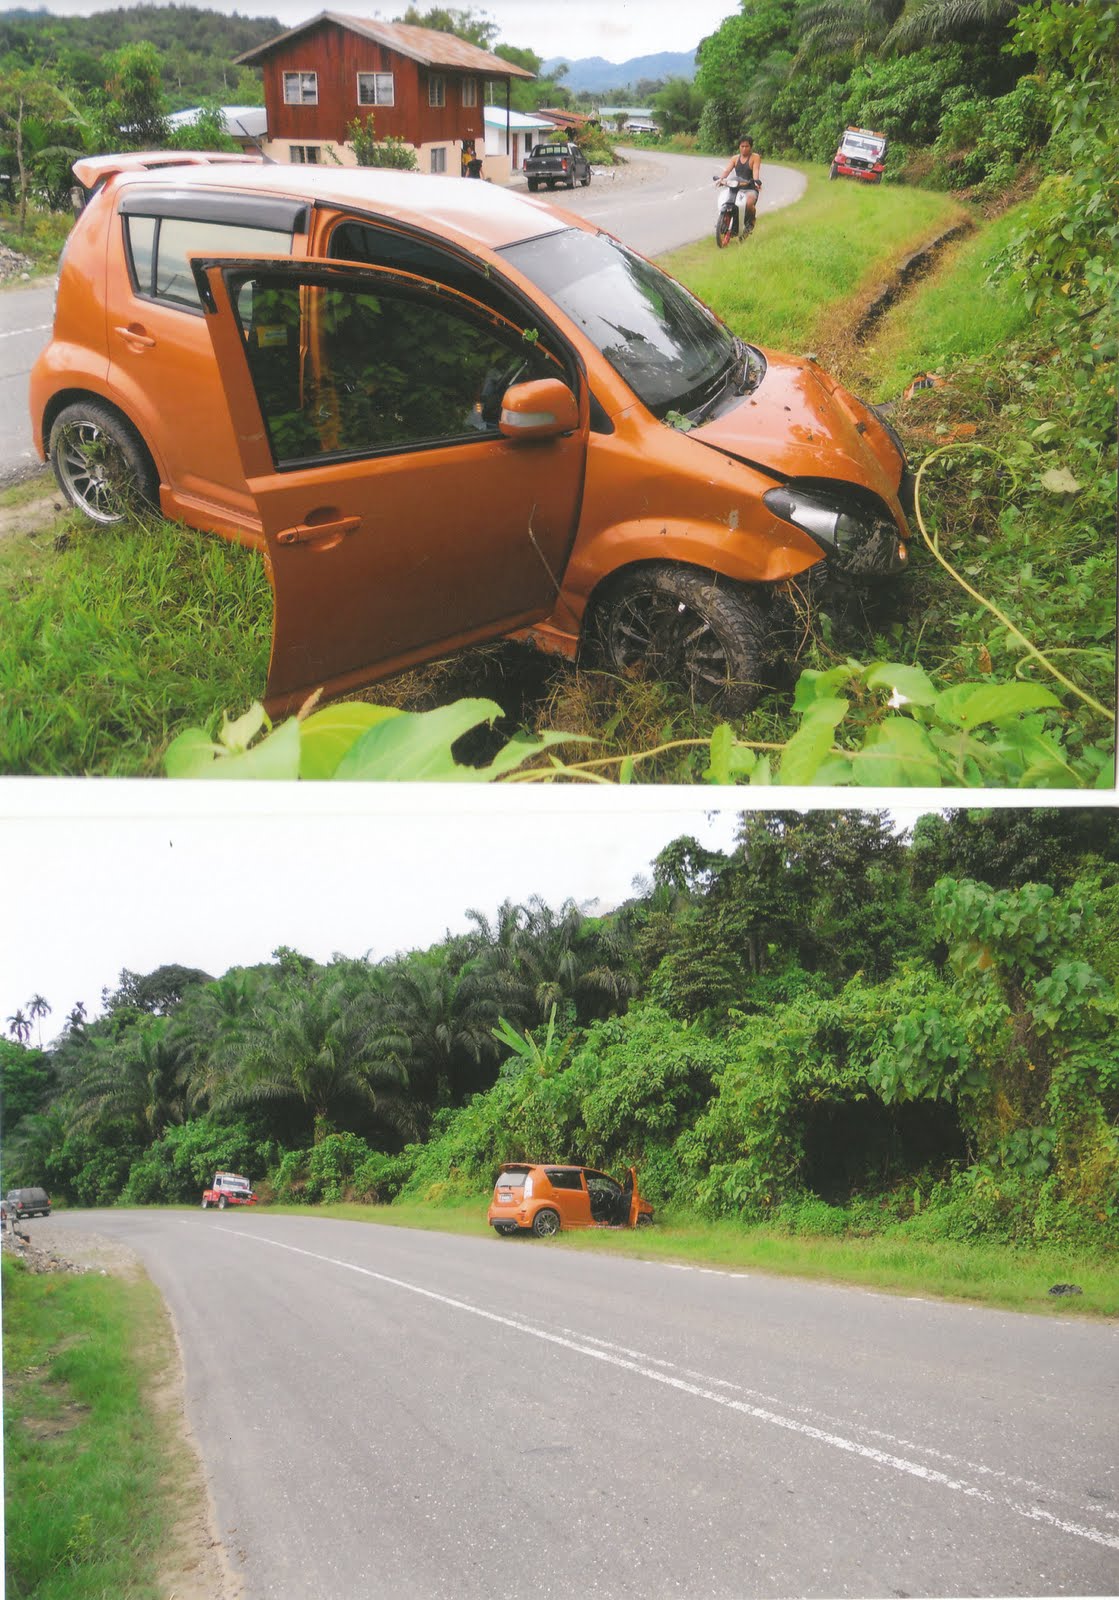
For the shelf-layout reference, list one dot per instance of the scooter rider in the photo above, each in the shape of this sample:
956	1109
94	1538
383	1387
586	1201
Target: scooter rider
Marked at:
747	168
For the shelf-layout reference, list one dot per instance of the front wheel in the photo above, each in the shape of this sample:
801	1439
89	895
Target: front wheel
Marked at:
222	1203
644	1220
834	173
724	225
703	634
101	463
546	1223
205	1205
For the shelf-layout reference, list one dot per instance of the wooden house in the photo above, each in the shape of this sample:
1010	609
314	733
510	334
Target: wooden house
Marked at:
424	87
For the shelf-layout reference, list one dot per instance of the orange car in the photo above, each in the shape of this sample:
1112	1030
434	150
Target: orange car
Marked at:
448	413
544	1199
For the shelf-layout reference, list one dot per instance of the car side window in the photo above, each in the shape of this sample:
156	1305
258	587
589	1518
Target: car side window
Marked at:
158	249
560	1179
339	370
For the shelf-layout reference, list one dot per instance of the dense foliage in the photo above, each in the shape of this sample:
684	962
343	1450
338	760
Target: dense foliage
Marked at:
831	1025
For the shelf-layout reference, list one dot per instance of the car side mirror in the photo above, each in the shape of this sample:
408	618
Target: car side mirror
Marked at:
542	409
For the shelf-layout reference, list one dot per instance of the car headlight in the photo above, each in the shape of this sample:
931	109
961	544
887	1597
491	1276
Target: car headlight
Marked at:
854	529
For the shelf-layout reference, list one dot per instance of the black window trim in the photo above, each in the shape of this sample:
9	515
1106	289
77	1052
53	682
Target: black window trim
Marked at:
239	210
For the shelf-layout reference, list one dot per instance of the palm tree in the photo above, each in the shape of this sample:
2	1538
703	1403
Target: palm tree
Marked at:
941	21
558	958
37	1009
139	1078
312	1045
19	1027
435	1018
864	27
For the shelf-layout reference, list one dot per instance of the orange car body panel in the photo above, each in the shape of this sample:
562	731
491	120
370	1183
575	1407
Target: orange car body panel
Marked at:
513	1209
428	550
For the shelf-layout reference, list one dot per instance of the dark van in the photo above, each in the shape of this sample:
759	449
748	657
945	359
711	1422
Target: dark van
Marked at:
28	1203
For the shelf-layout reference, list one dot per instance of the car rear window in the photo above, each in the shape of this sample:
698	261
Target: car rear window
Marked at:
512	1178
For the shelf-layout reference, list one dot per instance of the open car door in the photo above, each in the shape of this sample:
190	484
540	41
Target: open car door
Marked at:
406	511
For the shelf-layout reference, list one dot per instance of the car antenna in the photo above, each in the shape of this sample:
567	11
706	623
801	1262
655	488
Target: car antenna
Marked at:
253	140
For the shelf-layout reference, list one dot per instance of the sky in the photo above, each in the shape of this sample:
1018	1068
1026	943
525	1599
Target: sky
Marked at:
97	875
614	29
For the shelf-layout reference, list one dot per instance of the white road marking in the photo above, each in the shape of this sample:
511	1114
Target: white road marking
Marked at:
14	333
882	1458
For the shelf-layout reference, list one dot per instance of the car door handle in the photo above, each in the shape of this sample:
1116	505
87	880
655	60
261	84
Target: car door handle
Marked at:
323	534
136	337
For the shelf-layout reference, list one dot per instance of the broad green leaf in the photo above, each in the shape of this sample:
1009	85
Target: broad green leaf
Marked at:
813	686
518	750
811	743
240	733
275	757
897	754
416	746
722	742
191	754
969	705
327	734
912	682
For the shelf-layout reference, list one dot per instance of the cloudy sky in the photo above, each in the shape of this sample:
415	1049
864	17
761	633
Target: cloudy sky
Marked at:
614	29
96	875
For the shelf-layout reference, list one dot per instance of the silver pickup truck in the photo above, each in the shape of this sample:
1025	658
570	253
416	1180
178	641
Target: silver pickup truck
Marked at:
556	163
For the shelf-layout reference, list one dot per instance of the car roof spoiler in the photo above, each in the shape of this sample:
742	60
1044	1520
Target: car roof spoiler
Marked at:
93	170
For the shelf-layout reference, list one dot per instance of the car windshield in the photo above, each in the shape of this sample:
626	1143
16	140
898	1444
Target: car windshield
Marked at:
862	146
674	353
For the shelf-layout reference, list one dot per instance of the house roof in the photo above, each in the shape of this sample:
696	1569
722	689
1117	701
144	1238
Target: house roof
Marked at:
564	119
519	121
425	45
240	122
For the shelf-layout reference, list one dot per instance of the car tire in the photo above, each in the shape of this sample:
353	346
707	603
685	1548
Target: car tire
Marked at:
834	173
205	1205
101	463
644	1221
586	182
704	634
546	1223
222	1203
533	185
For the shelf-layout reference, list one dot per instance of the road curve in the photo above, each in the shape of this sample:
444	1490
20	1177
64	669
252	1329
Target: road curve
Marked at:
383	1411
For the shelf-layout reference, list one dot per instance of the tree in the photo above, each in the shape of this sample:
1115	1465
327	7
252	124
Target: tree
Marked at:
133	112
19	1027
158	992
373	152
28	103
37	1009
139	1079
314	1046
463	23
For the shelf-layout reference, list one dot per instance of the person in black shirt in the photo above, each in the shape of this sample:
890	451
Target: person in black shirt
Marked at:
747	168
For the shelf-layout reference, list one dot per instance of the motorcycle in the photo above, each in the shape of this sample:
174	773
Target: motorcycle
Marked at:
731	199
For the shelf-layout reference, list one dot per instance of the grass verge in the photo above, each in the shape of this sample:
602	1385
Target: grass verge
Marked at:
783	286
116	638
87	1484
981	1274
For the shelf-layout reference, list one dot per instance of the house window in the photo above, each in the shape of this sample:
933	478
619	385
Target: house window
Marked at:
437	90
375	89
470	91
439	159
303	155
301	88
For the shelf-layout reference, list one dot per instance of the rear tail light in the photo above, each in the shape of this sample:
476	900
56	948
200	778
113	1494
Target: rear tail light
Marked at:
528	1186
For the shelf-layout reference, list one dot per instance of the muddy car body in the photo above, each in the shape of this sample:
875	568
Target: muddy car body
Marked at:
448	413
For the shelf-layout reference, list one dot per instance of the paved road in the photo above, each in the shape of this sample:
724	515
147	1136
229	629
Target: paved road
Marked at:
26	314
663	202
385	1412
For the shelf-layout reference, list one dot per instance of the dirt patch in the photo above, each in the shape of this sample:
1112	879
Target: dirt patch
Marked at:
33	516
911	271
194	1563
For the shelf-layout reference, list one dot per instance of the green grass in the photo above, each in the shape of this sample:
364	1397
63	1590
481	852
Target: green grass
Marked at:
114	639
85	1471
958	315
782	286
981	1274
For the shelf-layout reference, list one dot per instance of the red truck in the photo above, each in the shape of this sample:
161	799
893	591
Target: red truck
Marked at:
228	1189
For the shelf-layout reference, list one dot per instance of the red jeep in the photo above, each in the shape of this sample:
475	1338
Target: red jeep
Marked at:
861	154
228	1189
